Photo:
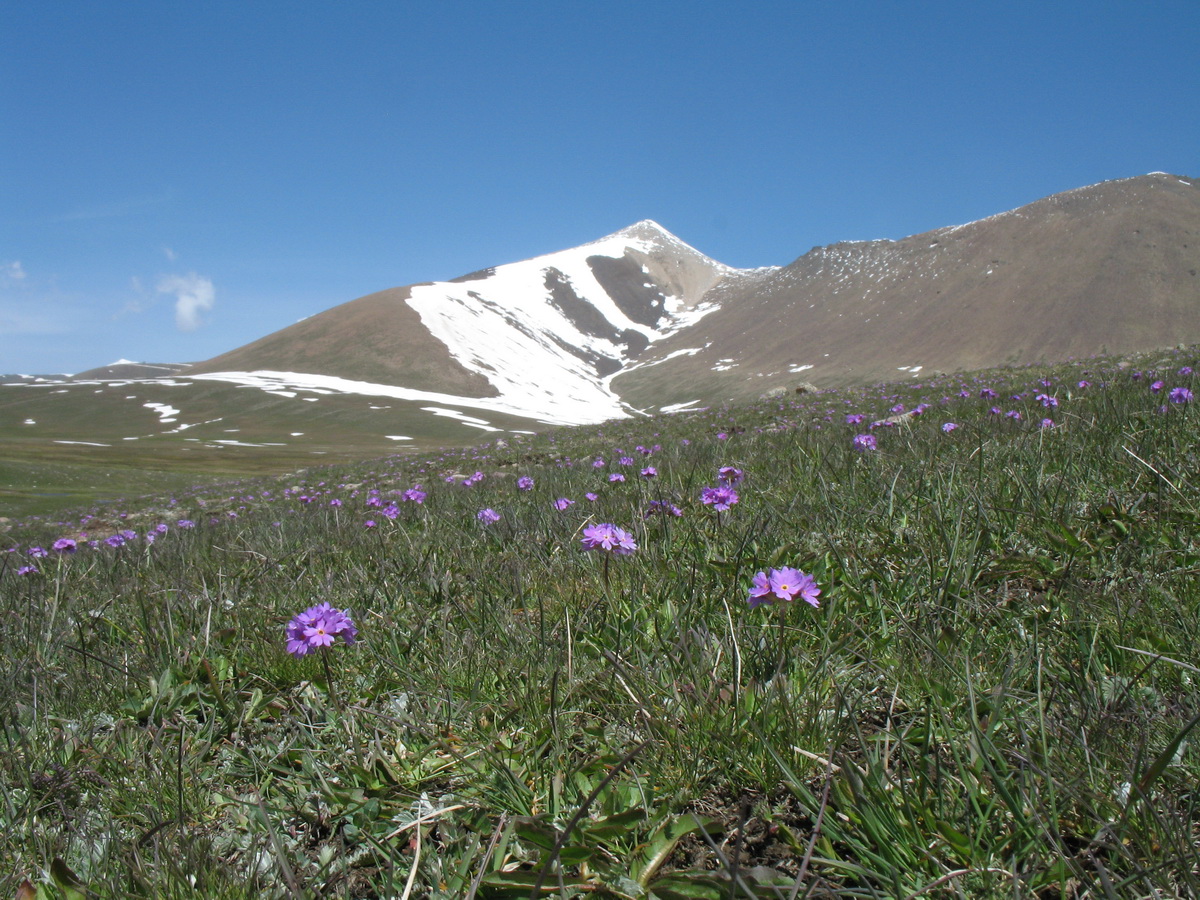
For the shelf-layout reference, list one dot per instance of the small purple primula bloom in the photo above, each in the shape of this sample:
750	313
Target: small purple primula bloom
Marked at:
949	427
865	442
591	497
1046	423
370	523
64	545
783	584
662	507
563	503
730	475
1157	386
616	477
760	591
414	494
855	418
1180	395
27	570
719	498
608	538
488	516
317	627
649	472
525	483
38	552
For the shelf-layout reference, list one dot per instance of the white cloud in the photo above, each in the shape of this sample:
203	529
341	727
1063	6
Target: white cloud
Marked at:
193	295
13	270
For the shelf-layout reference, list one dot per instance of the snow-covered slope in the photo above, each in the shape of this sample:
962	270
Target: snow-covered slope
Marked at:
548	332
539	339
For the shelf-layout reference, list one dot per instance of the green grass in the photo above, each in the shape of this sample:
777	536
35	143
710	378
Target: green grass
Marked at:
995	697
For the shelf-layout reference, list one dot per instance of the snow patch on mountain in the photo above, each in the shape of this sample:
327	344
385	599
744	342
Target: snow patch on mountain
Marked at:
549	333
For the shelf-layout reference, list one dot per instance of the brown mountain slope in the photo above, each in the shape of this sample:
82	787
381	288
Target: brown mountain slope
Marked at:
377	338
1111	267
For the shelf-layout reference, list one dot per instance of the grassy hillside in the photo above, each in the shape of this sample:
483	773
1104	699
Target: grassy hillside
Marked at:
994	695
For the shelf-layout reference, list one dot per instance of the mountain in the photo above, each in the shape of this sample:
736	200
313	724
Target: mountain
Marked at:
539	338
639	321
1106	268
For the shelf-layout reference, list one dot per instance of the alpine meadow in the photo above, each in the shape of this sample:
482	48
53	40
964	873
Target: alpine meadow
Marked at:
927	639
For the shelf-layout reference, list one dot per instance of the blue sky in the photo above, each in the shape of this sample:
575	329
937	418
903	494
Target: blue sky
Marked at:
177	179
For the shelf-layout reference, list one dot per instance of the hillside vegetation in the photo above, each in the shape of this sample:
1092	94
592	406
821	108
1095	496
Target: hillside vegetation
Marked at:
994	694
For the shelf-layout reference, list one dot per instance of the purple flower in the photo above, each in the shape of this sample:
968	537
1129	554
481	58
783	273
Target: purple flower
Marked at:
608	538
949	427
563	503
730	475
38	552
663	507
649	472
598	463
488	516
27	570
114	540
720	497
317	627
1185	370
525	483
1156	386
865	442
1013	414
64	545
995	411
760	591
391	511
722	436
1046	400
591	497
616	476
1084	384
783	584
1046	423
854	418
1177	395
414	494
625	461
987	394
335	502
370	523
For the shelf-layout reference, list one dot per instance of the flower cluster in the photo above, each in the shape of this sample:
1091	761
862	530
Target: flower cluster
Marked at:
608	538
720	497
317	626
865	442
783	584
